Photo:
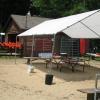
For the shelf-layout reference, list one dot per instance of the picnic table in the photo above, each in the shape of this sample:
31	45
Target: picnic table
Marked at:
73	62
34	58
55	60
59	61
9	54
93	55
90	93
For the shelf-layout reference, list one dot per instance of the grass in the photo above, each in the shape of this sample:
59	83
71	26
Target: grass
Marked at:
8	57
97	58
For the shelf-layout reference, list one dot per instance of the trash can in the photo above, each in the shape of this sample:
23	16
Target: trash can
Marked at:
48	79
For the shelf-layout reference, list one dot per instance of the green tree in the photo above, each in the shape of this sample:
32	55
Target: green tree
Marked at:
76	8
59	8
51	8
8	7
93	4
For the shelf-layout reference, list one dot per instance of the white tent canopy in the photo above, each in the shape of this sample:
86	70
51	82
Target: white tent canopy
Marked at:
84	25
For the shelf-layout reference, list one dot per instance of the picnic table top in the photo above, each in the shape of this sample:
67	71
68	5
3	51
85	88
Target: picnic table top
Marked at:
30	57
55	57
93	54
89	90
35	58
9	54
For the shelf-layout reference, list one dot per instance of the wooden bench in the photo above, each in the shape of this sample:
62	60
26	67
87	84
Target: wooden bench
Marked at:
72	62
29	59
90	93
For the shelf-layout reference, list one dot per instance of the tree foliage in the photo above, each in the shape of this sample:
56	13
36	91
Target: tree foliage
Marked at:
51	8
45	8
8	7
59	8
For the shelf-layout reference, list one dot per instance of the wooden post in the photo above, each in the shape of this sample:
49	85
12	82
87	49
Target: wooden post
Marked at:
15	50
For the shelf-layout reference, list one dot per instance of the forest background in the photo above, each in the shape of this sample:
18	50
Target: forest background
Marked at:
44	8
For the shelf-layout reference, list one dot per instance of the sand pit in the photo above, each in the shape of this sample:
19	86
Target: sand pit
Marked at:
17	84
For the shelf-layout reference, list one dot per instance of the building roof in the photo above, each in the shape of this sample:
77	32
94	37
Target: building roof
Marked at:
23	21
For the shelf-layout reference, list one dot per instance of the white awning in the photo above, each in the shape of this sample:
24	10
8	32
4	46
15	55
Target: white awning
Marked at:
84	25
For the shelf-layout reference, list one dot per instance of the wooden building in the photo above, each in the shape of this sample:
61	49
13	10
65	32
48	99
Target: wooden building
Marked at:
42	44
18	24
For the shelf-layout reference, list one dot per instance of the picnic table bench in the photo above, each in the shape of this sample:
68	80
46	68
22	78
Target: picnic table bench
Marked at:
9	54
54	60
73	62
29	59
90	93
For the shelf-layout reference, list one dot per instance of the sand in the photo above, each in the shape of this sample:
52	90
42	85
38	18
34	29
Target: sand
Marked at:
17	84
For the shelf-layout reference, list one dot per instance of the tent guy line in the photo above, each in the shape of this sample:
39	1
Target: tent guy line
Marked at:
90	29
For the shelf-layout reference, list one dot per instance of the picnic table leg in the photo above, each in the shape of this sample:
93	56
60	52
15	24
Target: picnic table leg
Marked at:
28	61
46	65
57	65
47	62
83	67
73	68
93	57
98	96
60	67
90	96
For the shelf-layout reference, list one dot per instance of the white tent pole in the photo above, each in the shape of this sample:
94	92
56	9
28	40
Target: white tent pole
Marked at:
72	47
43	45
32	48
15	50
53	46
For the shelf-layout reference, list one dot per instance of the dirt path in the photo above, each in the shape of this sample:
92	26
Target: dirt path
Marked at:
17	84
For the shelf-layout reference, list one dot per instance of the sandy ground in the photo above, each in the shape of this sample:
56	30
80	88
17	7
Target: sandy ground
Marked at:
17	84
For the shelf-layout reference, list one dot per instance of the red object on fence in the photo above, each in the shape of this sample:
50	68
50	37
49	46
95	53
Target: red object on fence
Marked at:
82	46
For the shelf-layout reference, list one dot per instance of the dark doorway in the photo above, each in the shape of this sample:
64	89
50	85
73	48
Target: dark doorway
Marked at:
12	37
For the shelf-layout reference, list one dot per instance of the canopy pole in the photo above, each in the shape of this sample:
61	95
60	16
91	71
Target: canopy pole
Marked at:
72	47
53	46
15	50
32	49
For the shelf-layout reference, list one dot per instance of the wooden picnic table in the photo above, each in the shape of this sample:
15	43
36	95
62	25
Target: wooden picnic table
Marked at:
58	60
72	62
93	55
55	60
90	93
35	58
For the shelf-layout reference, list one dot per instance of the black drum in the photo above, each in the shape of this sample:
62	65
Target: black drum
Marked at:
48	79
